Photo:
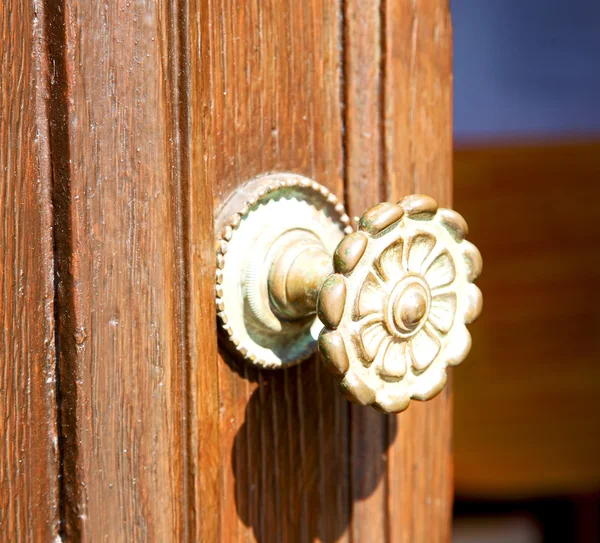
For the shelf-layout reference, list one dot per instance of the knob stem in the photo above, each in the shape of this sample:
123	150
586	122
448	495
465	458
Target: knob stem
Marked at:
297	272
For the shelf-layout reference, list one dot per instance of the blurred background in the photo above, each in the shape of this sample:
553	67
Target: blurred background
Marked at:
527	176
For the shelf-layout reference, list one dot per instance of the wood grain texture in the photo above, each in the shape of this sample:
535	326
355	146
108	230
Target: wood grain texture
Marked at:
304	464
29	503
272	103
119	130
363	76
411	107
206	486
157	113
526	416
417	157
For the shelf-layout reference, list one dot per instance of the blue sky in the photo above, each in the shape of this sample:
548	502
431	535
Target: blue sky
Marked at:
526	68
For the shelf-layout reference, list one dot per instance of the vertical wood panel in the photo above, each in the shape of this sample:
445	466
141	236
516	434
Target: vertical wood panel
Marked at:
399	141
206	486
162	439
418	158
417	98
273	103
298	473
29	505
364	183
119	132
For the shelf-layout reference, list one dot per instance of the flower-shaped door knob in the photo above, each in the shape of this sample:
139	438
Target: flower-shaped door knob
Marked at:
395	310
392	299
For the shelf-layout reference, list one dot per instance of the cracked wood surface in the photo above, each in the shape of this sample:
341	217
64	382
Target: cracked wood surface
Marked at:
29	469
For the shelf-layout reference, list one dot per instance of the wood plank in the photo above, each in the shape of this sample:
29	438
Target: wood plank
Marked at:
205	487
399	141
29	501
363	32
418	158
526	401
252	133
273	103
121	168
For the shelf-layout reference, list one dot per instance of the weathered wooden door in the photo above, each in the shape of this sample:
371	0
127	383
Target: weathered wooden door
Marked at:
124	125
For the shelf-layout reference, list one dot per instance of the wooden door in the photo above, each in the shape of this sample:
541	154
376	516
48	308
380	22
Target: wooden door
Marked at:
125	125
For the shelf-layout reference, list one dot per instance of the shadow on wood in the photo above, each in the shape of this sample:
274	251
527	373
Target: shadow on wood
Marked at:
286	462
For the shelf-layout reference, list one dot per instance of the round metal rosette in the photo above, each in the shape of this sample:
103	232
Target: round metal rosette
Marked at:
254	225
395	311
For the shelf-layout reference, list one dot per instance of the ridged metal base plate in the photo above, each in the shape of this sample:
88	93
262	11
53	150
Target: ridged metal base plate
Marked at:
250	224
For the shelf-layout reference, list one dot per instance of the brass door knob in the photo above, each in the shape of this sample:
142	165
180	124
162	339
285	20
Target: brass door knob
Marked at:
392	299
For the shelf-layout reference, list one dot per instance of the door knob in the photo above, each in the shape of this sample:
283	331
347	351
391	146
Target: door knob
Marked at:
387	305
